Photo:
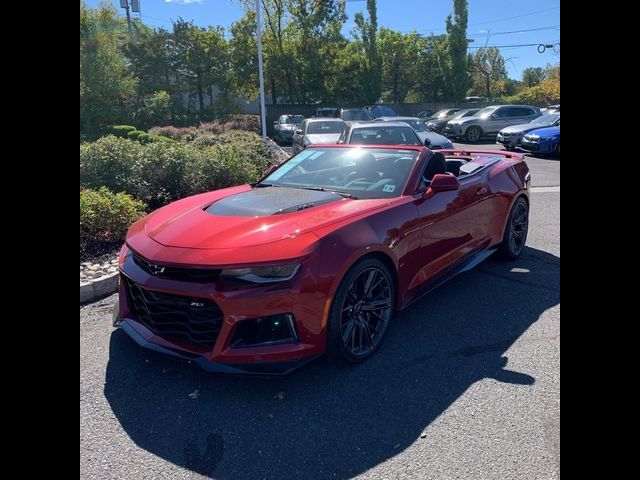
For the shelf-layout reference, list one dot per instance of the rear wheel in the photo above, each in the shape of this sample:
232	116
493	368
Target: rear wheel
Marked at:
515	233
361	312
473	134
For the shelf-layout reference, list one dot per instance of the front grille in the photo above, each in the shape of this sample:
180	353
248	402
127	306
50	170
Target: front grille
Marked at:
192	320
181	274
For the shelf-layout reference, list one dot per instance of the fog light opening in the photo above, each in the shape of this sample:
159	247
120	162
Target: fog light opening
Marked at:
261	331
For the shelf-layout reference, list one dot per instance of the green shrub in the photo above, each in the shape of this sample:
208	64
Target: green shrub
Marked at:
122	130
158	138
111	162
105	216
134	134
175	133
159	172
143	137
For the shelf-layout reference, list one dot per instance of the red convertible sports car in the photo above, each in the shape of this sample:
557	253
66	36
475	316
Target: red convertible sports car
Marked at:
317	256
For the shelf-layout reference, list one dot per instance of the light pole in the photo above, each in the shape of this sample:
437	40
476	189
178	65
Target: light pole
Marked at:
260	73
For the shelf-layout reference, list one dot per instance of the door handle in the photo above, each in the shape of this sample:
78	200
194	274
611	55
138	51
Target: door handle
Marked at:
481	191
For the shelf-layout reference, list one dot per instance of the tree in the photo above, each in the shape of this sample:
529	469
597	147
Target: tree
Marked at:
488	67
201	57
105	85
532	76
400	60
243	56
455	67
366	33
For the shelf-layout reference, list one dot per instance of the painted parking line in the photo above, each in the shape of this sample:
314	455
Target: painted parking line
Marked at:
545	189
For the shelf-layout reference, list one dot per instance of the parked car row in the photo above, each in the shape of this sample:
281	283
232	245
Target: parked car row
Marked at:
513	126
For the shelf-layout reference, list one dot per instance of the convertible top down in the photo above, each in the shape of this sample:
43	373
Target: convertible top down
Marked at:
318	255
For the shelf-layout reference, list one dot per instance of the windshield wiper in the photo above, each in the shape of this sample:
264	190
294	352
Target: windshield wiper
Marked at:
318	188
261	185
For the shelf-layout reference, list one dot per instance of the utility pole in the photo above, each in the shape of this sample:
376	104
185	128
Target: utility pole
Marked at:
125	4
263	119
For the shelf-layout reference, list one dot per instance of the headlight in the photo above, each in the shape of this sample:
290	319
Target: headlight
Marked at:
277	273
546	139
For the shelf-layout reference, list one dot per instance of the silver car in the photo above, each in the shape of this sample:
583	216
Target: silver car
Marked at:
317	131
489	121
284	127
511	137
435	140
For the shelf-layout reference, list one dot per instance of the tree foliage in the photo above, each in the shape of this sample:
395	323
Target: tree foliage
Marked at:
189	73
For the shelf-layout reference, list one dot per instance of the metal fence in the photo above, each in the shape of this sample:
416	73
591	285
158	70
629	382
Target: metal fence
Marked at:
273	112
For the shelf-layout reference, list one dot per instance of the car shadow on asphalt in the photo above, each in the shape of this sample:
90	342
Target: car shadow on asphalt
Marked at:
327	421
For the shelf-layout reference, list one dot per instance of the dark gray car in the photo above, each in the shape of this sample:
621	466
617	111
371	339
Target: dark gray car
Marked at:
284	127
511	137
317	131
350	115
431	139
489	121
438	124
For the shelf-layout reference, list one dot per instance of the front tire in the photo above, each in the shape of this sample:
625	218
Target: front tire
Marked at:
515	233
361	312
473	134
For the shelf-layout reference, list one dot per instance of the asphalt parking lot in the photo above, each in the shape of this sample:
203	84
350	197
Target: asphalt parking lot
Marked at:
465	386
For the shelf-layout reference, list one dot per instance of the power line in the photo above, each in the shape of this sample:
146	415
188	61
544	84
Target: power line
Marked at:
517	45
554	27
427	29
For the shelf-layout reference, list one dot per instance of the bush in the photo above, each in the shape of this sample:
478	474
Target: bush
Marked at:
122	130
175	133
159	172
105	216
110	161
134	134
158	138
143	137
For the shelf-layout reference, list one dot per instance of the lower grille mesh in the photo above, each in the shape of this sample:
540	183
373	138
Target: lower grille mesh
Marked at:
192	320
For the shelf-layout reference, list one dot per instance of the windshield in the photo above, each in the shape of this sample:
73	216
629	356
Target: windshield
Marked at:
326	112
355	115
464	113
320	128
440	114
358	172
417	125
289	119
383	112
485	112
384	136
546	119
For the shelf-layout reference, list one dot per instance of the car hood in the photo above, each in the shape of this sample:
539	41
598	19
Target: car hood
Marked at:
243	216
546	131
462	121
435	138
521	128
322	138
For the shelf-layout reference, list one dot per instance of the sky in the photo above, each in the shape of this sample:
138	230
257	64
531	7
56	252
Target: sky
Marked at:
508	23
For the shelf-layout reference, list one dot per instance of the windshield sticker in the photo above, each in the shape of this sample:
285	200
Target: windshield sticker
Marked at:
388	188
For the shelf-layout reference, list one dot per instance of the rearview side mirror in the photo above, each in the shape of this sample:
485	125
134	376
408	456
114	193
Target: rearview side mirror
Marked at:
299	131
275	123
427	142
442	182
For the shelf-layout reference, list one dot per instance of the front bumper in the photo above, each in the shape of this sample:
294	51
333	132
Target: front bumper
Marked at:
297	297
509	141
144	337
539	147
453	130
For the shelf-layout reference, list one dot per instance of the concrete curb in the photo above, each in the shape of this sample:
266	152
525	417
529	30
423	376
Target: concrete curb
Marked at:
99	287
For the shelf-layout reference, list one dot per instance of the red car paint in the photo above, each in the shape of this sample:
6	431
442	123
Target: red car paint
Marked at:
420	235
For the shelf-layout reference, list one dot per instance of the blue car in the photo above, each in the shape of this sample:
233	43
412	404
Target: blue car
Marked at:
542	141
